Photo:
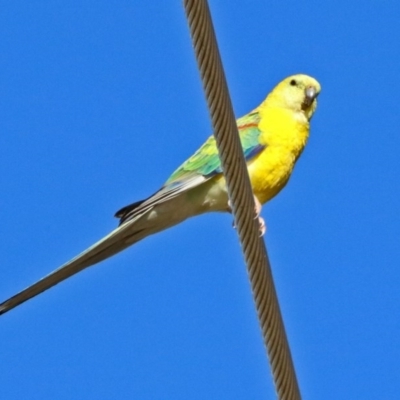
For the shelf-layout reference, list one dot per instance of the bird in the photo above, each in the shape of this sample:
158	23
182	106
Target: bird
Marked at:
273	137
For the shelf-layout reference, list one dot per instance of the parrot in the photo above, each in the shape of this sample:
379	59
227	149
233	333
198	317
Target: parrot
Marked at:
273	137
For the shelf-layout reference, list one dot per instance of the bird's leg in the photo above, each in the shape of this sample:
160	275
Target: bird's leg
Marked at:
258	207
261	223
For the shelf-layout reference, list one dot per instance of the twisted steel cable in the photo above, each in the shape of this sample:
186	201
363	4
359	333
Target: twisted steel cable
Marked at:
241	197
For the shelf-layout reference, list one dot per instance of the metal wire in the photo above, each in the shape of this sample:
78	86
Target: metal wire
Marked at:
241	197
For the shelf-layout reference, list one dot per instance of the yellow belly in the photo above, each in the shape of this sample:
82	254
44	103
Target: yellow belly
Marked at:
270	171
285	137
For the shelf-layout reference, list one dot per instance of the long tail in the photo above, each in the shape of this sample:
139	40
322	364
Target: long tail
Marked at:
120	238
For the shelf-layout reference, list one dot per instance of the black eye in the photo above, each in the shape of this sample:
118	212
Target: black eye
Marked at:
293	82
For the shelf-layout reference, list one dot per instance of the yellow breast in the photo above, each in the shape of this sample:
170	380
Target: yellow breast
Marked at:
285	134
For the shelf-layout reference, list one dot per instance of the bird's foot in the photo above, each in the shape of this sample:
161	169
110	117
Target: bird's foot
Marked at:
261	223
262	227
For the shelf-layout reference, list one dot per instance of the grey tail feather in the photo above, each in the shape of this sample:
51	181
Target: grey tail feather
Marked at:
116	241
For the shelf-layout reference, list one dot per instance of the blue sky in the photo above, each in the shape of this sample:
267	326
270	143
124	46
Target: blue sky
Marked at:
100	102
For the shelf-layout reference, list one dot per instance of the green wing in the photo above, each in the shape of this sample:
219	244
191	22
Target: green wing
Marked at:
206	161
197	169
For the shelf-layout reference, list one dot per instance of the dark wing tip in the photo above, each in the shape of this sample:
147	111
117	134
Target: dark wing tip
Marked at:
124	213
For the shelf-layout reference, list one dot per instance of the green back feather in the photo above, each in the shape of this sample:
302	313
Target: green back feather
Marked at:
206	161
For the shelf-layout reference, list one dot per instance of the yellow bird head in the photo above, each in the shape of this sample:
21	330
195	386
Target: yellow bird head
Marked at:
296	93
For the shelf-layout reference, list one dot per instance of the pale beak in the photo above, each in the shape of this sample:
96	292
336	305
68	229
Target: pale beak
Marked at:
310	95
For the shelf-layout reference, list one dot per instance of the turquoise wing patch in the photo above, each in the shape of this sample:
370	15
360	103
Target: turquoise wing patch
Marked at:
206	161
